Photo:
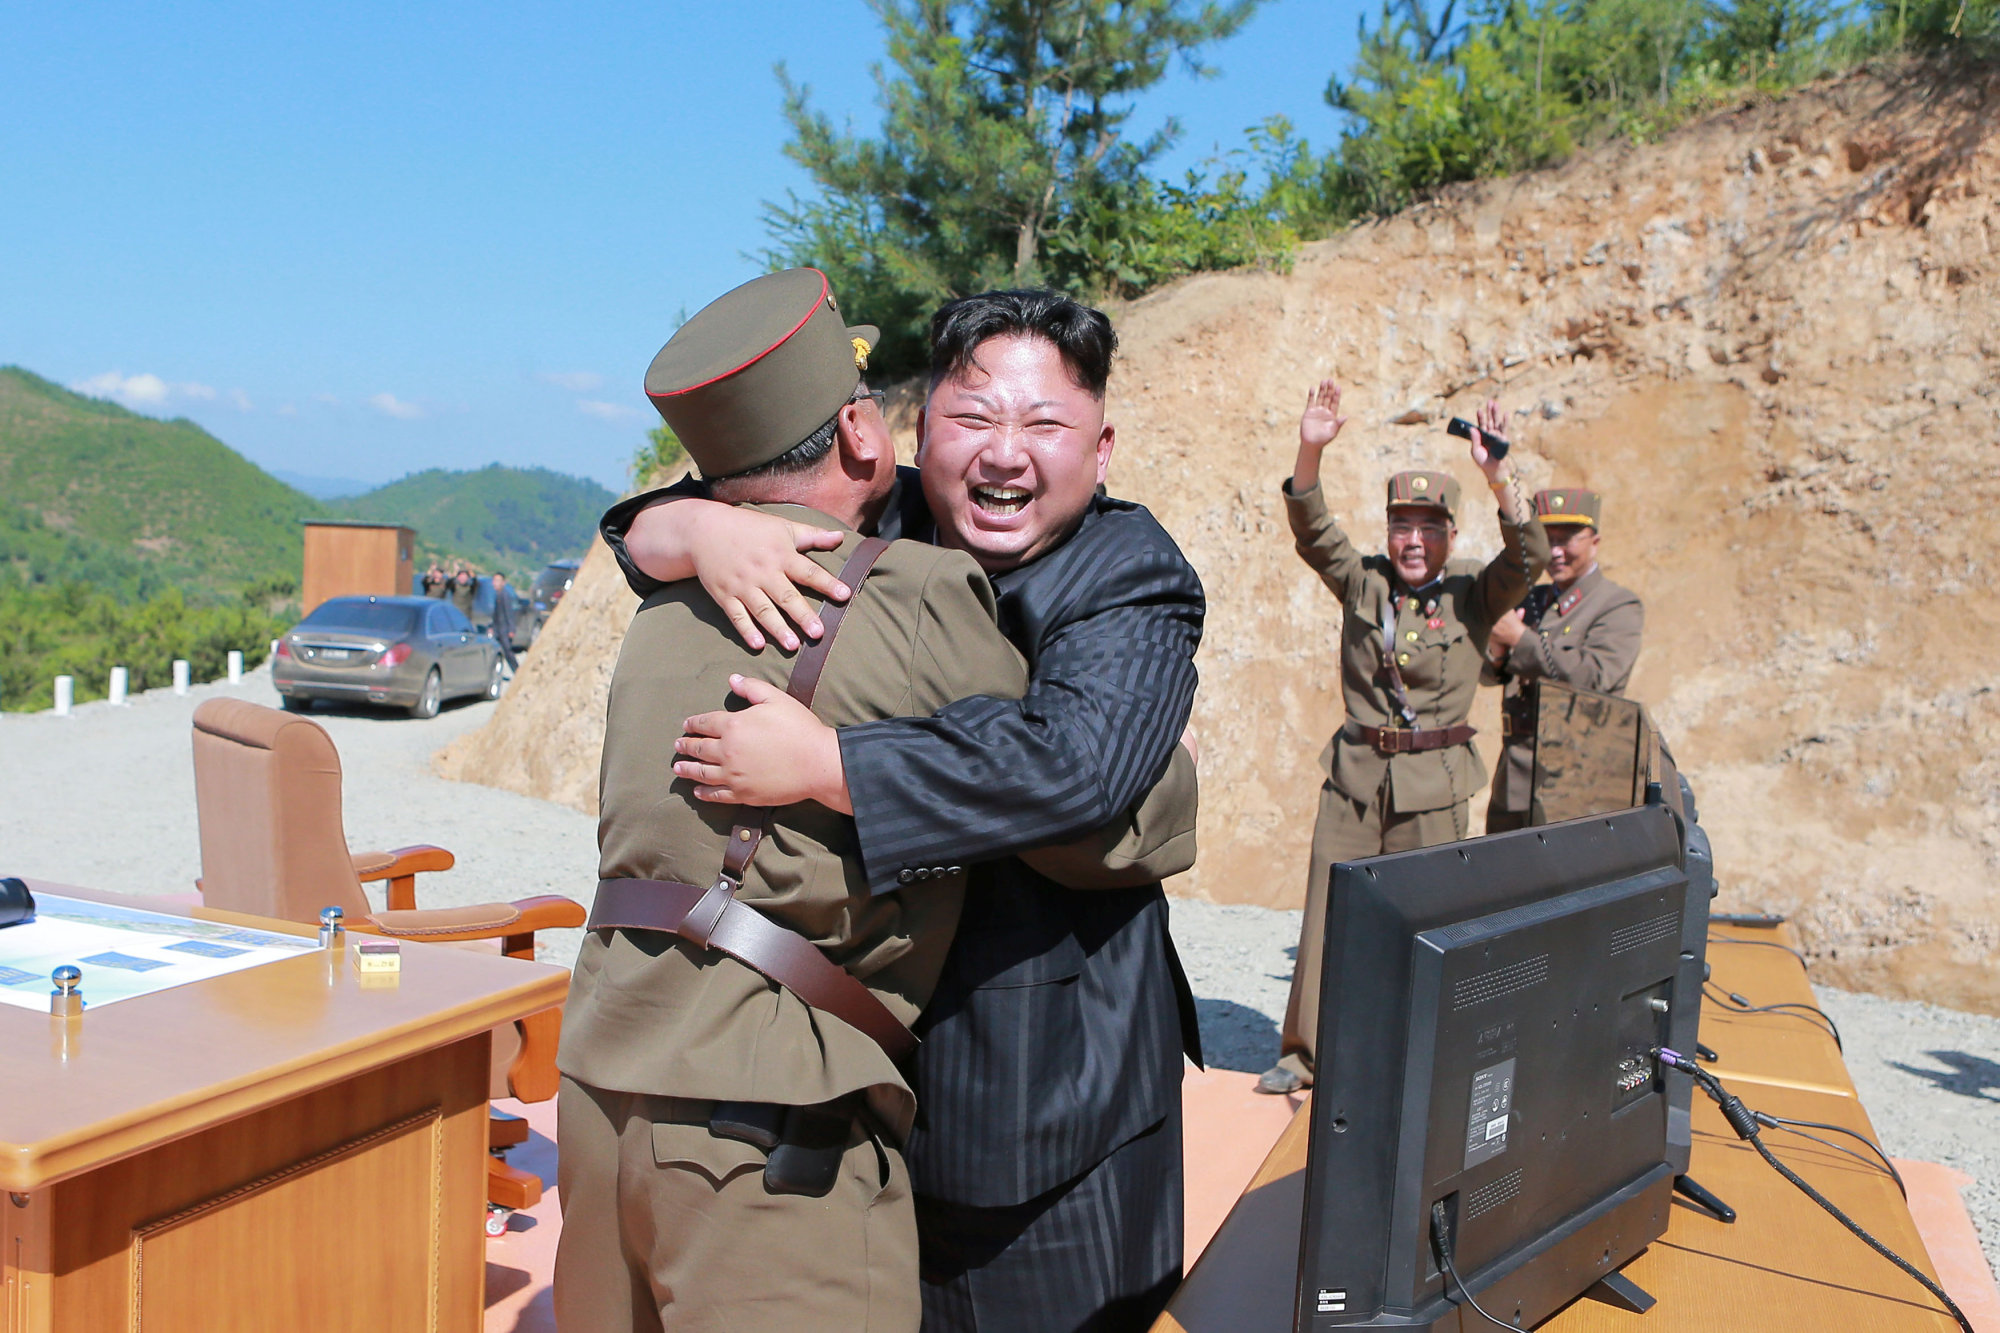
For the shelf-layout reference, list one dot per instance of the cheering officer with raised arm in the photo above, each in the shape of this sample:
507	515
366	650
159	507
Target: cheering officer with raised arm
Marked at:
1401	771
1579	628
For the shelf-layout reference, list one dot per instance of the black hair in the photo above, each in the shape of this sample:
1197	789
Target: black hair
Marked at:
803	456
1082	335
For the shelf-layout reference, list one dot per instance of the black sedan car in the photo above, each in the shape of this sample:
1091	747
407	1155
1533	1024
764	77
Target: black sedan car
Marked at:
407	652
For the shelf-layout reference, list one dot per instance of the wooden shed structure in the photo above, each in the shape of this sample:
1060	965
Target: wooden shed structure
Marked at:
357	560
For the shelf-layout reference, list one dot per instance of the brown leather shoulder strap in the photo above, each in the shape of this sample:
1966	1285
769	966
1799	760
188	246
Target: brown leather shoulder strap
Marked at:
748	834
812	658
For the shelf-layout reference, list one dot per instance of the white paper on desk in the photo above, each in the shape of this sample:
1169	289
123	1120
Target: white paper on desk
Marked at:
124	952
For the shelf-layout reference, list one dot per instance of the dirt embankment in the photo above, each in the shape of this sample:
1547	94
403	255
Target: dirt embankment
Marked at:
1768	340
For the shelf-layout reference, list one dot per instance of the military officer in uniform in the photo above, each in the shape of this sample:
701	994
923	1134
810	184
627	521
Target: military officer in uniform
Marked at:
1401	771
731	1151
1579	628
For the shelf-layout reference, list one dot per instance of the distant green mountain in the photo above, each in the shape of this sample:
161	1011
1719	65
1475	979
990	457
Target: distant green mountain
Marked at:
506	518
159	499
130	541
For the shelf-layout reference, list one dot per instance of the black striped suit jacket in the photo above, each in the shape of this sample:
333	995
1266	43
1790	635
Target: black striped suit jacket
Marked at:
1057	1028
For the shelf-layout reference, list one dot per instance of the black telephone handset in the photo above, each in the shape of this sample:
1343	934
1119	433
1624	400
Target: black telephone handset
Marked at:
16	903
1496	447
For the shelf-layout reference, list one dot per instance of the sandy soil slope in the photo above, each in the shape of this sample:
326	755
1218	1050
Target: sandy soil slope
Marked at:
1767	339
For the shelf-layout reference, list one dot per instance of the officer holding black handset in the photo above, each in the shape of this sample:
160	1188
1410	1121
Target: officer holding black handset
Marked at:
1401	771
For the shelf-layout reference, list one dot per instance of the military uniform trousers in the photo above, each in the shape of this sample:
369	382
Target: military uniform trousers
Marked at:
1499	819
1347	830
669	1229
1097	1254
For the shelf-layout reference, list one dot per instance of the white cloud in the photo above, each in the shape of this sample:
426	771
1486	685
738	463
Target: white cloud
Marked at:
576	381
288	410
329	399
603	411
389	405
142	390
241	400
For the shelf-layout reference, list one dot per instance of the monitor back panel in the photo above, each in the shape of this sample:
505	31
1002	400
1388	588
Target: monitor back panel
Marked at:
1490	1045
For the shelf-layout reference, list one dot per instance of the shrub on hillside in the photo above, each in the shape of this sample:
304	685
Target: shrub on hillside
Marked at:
72	629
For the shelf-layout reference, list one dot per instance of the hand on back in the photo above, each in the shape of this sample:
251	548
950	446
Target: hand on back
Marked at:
756	567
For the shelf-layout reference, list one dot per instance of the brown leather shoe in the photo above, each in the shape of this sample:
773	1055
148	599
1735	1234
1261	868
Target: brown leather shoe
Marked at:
1279	1081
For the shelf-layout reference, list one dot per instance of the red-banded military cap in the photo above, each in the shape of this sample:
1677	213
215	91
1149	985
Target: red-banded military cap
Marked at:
1432	490
1568	504
757	370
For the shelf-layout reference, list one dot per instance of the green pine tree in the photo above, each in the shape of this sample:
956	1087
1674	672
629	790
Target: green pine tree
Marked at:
1004	130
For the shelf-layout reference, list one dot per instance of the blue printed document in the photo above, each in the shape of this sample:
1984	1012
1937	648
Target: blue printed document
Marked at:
124	951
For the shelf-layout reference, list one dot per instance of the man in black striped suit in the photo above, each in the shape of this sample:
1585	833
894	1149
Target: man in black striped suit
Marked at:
1047	1151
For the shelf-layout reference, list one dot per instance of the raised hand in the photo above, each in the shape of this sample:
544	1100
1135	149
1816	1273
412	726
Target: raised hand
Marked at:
1321	420
1490	419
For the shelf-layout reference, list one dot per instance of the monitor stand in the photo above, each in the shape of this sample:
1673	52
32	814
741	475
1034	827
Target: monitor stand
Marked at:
1615	1289
1687	1187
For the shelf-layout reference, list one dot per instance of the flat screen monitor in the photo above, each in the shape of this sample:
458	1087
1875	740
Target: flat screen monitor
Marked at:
1489	1015
1592	753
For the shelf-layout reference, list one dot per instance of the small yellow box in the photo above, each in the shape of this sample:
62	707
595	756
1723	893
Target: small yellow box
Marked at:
378	956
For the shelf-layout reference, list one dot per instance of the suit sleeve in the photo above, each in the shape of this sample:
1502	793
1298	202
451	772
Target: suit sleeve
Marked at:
1153	840
1504	583
1610	650
1319	540
617	522
988	777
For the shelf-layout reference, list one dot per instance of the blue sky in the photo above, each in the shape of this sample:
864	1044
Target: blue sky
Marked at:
359	240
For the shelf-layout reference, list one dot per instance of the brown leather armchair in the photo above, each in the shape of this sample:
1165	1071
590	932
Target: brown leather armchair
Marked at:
267	790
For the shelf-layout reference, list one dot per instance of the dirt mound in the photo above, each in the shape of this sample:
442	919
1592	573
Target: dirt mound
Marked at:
1766	339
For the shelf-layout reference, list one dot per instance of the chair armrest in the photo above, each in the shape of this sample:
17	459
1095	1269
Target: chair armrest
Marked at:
401	868
514	924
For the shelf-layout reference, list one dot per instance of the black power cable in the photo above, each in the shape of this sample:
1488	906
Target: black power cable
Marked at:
1748	1128
1761	944
1880	1162
1441	1238
1791	1008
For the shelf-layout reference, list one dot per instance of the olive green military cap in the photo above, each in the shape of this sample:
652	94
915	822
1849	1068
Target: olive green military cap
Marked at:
757	370
1431	490
1568	504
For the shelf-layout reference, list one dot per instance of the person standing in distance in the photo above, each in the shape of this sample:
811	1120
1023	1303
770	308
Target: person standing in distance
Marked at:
1401	771
1579	628
503	621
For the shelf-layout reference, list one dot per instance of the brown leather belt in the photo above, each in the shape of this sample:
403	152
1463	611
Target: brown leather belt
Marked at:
1415	740
711	918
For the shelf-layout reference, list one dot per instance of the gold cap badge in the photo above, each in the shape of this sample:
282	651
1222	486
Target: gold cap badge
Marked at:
861	350
1420	484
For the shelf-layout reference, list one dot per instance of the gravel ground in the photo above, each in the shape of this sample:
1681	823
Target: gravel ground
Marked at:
105	798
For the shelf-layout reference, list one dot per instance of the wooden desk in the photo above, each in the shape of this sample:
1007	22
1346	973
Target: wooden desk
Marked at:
1783	1265
282	1148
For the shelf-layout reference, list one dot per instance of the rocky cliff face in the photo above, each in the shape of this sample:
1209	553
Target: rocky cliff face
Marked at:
1767	340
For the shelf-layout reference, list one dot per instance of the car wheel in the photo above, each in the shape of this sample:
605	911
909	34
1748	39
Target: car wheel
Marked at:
431	697
295	703
493	681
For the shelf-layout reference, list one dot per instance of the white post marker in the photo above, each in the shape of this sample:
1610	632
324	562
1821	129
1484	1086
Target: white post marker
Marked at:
235	667
180	676
119	677
65	694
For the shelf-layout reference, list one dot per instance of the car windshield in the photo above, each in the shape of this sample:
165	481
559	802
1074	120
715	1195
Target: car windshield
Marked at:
361	617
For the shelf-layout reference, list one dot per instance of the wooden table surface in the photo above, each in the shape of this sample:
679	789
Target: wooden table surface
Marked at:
79	1093
1783	1265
